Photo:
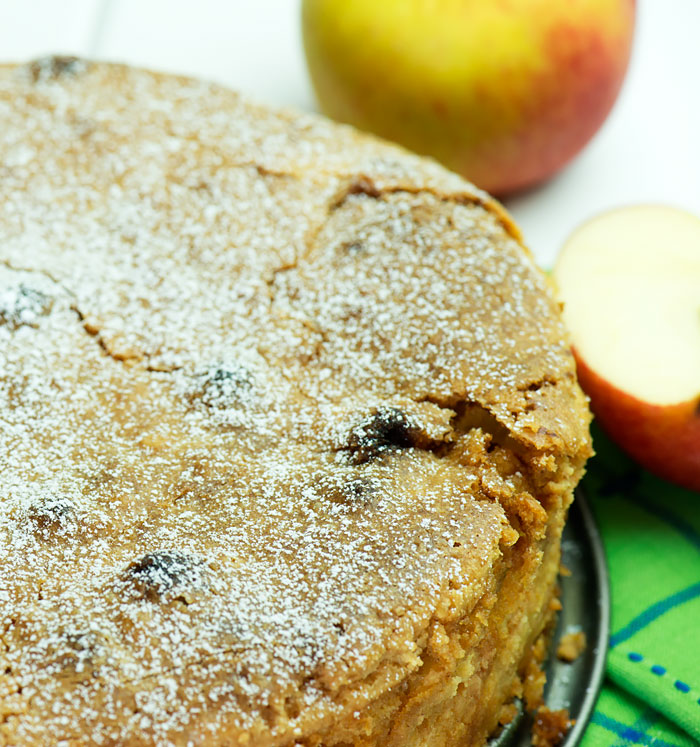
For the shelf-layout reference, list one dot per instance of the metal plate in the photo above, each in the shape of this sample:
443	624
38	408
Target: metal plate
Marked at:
585	598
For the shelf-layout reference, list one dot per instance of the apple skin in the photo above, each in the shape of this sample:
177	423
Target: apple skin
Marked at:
665	439
503	92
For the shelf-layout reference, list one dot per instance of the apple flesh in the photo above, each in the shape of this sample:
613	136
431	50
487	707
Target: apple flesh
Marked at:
504	93
629	281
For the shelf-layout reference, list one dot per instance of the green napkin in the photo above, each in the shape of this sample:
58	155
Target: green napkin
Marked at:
651	533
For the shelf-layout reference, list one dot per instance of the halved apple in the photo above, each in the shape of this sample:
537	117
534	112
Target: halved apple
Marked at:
629	280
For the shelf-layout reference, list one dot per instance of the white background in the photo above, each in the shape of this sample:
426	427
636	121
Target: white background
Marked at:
647	151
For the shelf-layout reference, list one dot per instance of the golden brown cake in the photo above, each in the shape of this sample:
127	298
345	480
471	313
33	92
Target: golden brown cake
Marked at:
289	427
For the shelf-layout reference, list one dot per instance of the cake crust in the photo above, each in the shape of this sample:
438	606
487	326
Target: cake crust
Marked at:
290	426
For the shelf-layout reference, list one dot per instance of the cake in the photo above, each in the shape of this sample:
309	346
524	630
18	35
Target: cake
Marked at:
290	427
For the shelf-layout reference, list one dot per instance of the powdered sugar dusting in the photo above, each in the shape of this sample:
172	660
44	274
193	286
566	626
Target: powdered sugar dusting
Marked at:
231	345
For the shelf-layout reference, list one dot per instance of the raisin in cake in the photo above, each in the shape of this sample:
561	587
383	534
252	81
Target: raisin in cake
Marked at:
289	427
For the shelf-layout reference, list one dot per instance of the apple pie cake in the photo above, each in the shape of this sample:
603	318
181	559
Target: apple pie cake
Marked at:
289	427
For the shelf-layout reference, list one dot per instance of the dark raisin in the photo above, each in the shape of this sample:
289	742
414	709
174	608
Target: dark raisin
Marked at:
54	67
386	430
75	655
359	493
222	386
22	306
156	574
52	514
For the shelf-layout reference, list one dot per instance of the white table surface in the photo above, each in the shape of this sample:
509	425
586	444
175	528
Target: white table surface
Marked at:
647	151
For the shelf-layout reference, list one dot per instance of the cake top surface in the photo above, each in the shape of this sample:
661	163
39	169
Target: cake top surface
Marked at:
251	367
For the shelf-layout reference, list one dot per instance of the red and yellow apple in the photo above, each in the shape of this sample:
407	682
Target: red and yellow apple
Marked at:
629	281
504	92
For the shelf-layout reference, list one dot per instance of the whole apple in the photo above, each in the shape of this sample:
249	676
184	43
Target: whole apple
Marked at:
503	92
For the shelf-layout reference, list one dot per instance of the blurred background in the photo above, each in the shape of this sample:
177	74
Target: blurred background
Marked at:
648	150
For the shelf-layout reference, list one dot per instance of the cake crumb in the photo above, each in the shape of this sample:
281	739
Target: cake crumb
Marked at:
571	646
508	713
550	727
